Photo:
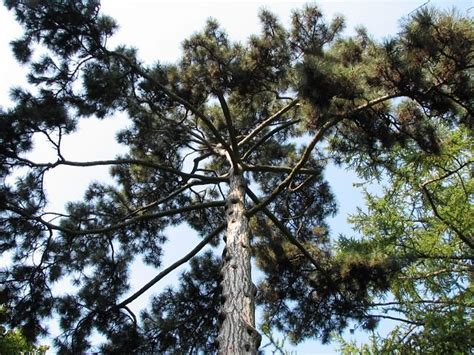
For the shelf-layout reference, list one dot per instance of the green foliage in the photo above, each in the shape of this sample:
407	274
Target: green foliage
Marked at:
399	112
377	345
13	341
424	220
173	323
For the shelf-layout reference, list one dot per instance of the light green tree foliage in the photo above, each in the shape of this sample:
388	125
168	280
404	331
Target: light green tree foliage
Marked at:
424	218
13	342
376	345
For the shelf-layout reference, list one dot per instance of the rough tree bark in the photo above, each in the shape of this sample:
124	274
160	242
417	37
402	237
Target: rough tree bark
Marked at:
237	333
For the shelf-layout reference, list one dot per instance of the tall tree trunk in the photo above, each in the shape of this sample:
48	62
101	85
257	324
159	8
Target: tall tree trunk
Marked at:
237	334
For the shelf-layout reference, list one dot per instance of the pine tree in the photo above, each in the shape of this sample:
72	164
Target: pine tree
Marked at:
232	140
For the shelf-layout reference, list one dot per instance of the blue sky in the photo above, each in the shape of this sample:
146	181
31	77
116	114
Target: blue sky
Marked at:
157	29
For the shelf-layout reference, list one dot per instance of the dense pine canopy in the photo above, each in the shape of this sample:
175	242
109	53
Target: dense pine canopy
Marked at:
266	116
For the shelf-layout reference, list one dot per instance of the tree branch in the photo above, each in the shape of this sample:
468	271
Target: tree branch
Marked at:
286	232
396	319
173	96
164	199
269	120
278	169
234	154
464	238
267	136
374	102
196	250
120	225
447	303
430	275
172	267
449	173
150	164
299	165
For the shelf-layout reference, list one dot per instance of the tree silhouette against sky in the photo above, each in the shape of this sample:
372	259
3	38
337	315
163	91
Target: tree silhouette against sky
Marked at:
232	140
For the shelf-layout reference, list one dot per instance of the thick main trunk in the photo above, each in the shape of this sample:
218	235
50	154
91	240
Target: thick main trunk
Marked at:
237	334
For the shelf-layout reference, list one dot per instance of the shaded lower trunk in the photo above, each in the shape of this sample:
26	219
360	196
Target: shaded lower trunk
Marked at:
237	334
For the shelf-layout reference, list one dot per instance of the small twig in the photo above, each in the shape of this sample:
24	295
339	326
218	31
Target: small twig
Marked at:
419	7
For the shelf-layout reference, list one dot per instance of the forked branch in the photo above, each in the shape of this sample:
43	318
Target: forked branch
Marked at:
269	120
